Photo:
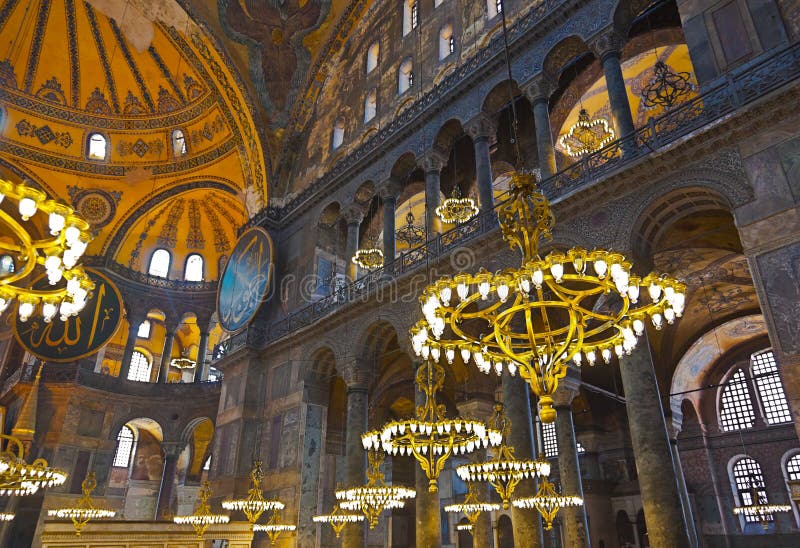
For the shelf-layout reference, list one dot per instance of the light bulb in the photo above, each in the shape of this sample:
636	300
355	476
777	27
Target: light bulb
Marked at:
25	309
465	354
657	320
483	289
70	259
557	270
633	293
655	291
49	310
502	292
463	291
600	268
669	315
3	305
638	326
445	295
56	223
537	278
27	208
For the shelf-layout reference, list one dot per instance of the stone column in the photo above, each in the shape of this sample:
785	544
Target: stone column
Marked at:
661	499
172	451
538	92
355	464
482	536
201	367
608	47
427	508
388	191
516	401
166	354
575	525
353	215
432	164
483	130
134	319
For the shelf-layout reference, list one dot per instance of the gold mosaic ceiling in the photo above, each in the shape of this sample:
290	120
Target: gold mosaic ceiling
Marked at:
134	71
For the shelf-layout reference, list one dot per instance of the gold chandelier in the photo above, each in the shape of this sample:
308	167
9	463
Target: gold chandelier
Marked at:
464	527
430	437
759	508
548	502
471	507
20	478
85	510
587	135
457	210
374	497
57	255
503	471
6	516
202	517
338	519
184	362
255	504
579	305
273	528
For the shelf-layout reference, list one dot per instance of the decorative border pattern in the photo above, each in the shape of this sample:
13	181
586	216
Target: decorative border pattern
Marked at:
166	73
72	35
36	46
137	75
101	50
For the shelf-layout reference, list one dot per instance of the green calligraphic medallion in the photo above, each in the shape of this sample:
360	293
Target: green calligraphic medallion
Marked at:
245	280
78	336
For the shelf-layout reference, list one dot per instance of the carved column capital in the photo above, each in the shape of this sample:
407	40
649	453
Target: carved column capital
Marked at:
356	376
540	88
172	449
353	214
481	127
606	42
433	161
389	189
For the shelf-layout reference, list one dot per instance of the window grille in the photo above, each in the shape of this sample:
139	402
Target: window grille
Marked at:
746	472
770	389
736	412
549	439
125	440
140	368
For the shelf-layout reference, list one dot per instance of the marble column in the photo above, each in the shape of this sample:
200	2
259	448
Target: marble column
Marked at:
388	191
574	523
483	130
427	508
166	354
171	453
538	92
432	164
661	499
201	367
130	343
608	47
526	524
353	215
355	464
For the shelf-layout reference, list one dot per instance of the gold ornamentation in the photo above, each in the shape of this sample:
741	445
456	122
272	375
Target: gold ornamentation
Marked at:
667	88
57	255
471	507
374	497
255	504
431	437
587	135
548	502
457	210
20	478
273	529
577	305
338	519
202	517
759	507
85	510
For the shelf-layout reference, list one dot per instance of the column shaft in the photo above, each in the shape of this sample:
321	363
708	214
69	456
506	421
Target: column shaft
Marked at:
166	355
201	367
483	171
428	513
569	472
355	458
167	483
618	97
389	238
433	191
660	496
544	137
516	402
127	354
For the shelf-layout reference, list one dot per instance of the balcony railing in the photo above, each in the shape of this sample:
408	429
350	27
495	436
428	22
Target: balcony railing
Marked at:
717	102
153	281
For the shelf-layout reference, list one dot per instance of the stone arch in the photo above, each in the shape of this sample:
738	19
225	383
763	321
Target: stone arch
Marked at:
498	97
448	133
136	418
365	192
196	441
403	166
626	12
562	54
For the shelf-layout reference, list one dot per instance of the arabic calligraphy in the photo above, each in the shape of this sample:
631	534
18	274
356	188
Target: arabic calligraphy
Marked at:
245	281
78	336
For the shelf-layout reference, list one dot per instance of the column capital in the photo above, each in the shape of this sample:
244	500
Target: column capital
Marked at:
356	377
481	126
172	449
135	315
607	42
540	88
433	161
389	189
353	214
171	325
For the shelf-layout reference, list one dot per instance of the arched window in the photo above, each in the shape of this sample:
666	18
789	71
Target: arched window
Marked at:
410	15
372	56
144	330
792	473
125	443
370	105
97	147
549	439
7	265
770	389
159	263
447	42
338	133
494	8
736	408
746	473
140	367
178	143
194	268
405	76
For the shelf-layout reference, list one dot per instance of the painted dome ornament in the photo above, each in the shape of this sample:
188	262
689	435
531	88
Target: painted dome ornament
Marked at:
577	305
589	134
667	88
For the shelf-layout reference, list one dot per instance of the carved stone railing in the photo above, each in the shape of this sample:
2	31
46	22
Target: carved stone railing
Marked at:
146	279
715	103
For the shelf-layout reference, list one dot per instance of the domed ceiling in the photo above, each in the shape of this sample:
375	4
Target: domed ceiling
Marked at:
133	71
